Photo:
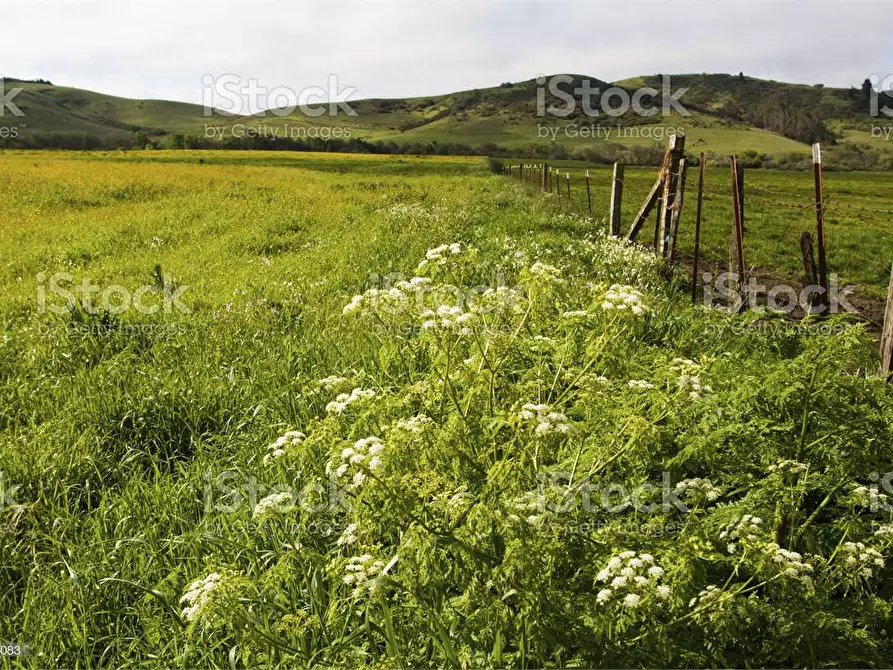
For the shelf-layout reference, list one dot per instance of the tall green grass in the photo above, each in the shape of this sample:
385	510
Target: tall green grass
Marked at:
133	445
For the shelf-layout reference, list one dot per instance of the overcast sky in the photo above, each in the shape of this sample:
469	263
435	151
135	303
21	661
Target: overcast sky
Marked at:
396	48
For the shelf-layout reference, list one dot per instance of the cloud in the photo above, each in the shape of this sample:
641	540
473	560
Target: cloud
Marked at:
161	49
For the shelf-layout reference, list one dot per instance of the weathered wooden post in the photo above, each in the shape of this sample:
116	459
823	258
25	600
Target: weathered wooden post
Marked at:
809	270
567	176
545	167
671	185
588	195
677	209
887	336
694	273
820	222
616	199
738	206
648	205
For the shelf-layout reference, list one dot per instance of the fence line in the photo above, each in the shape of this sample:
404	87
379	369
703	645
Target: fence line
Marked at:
782	251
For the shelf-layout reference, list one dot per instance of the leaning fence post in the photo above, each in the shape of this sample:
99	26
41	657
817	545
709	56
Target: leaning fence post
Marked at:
694	274
820	219
616	198
887	336
588	195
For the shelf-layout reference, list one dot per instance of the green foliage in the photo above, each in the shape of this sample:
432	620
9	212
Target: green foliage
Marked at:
400	436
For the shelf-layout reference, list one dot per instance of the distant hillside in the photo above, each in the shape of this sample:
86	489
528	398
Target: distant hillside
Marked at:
767	120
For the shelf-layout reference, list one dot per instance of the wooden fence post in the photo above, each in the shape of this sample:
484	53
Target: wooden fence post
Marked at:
694	274
657	221
677	209
650	201
567	176
809	268
887	336
545	167
616	198
588	195
677	150
820	221
738	206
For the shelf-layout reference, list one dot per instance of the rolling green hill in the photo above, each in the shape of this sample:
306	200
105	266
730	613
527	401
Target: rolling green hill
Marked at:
727	113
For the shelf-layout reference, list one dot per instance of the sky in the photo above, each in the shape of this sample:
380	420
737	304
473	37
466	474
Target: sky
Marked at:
398	48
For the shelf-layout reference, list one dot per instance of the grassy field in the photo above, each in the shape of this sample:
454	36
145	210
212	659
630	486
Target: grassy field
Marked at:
328	411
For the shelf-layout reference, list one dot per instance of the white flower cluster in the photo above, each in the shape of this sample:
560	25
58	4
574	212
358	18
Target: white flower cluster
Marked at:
348	536
706	597
788	468
364	453
698	489
631	577
738	529
620	297
390	301
526	506
500	298
275	502
440	255
790	563
331	382
689	377
197	595
856	556
692	384
546	272
362	572
640	384
413	424
869	497
339	404
884	531
280	447
547	421
447	318
622	261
